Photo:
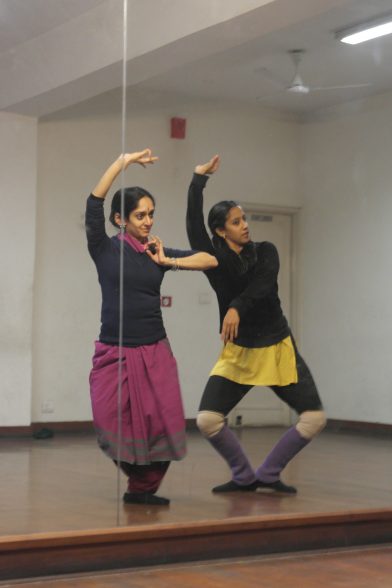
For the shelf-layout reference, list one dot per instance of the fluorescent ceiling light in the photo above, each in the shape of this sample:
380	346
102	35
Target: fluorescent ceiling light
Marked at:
366	31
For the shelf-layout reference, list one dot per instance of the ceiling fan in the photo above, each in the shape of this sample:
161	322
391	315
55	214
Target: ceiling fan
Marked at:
297	85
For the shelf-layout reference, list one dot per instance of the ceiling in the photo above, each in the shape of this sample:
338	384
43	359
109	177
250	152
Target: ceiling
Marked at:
56	53
22	20
248	72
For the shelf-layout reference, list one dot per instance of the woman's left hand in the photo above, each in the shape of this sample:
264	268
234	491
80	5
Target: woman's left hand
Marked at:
157	253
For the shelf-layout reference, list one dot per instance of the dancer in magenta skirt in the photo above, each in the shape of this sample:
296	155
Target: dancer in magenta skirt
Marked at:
152	418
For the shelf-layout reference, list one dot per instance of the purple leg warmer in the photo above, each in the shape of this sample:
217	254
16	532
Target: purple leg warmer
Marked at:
286	448
228	446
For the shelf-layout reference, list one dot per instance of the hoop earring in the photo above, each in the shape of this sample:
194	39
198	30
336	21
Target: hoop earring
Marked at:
122	227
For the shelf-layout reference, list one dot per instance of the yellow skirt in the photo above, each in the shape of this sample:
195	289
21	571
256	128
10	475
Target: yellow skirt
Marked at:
260	366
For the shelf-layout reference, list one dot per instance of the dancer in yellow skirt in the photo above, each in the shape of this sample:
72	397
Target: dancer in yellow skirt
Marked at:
259	348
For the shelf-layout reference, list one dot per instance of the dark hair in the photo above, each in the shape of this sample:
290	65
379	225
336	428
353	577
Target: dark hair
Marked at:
237	265
132	196
217	218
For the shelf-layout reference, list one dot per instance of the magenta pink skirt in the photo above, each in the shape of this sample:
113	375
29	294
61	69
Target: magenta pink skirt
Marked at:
152	416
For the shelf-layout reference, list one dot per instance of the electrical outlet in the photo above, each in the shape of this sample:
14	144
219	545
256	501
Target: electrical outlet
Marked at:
47	406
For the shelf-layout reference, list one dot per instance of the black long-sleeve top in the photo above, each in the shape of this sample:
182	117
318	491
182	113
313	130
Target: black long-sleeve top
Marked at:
142	316
254	294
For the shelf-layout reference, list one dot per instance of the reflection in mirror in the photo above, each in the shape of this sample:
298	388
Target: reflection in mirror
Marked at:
310	167
284	104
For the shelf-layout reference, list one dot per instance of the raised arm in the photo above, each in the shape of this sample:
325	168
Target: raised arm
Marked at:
141	157
196	230
95	219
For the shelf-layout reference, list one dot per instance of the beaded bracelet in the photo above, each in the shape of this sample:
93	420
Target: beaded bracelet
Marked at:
175	267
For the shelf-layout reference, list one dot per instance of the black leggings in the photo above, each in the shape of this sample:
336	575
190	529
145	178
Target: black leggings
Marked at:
222	395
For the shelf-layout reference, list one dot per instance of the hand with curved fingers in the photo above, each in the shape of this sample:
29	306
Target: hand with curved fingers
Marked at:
154	250
230	325
208	168
143	158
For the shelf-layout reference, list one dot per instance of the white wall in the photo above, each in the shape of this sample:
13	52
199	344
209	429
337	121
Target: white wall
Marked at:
343	278
18	157
346	282
260	164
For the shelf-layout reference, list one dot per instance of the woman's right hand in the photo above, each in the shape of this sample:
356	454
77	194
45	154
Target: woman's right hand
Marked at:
208	168
230	325
143	158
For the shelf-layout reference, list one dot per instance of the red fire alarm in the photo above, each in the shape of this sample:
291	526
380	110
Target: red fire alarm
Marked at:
166	301
177	127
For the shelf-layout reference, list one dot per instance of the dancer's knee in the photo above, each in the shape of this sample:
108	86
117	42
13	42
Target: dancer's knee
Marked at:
310	423
210	423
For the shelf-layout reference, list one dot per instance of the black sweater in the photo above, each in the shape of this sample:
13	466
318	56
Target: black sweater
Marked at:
254	294
142	324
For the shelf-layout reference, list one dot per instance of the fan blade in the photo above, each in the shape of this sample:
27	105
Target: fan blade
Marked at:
298	89
321	88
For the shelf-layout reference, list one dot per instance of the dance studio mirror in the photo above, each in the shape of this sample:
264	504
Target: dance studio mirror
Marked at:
301	122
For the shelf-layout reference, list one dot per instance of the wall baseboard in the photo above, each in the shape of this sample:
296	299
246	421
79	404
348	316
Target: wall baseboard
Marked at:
55	427
67	427
77	427
360	427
